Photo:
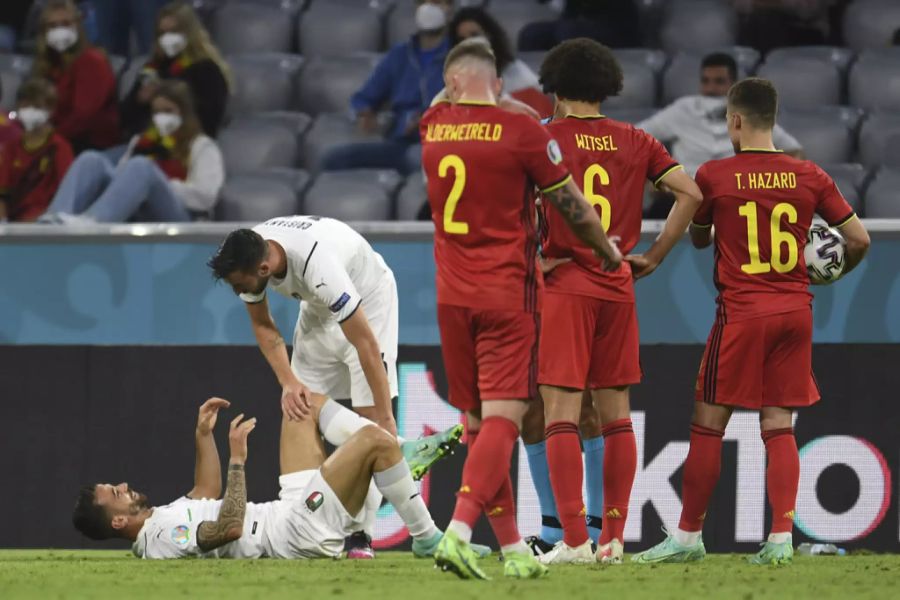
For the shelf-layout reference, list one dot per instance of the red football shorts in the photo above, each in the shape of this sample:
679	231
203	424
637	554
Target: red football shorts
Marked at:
760	362
588	343
488	354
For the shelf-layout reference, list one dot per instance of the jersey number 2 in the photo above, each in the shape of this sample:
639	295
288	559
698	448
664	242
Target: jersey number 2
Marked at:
780	238
452	161
595	199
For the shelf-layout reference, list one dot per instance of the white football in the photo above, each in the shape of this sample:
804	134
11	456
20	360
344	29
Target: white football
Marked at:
824	254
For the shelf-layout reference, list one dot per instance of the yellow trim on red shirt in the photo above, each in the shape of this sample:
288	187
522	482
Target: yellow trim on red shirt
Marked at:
665	173
557	185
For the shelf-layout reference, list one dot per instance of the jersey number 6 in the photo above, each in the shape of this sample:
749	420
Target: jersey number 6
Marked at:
779	238
596	199
452	161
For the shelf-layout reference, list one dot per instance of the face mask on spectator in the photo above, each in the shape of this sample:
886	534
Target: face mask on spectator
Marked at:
166	123
430	17
32	118
62	38
172	43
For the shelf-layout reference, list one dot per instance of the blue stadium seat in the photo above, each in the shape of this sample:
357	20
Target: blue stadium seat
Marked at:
804	82
412	197
871	23
334	129
338	27
250	143
327	83
875	80
264	82
882	200
698	25
353	195
253	27
255	197
874	134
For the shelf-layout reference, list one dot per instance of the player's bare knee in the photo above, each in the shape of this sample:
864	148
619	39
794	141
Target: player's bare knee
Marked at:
773	417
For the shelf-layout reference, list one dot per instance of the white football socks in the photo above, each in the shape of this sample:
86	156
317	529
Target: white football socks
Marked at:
398	487
370	509
520	547
780	538
462	531
688	538
338	424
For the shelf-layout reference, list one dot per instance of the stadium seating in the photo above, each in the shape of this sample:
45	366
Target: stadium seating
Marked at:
253	27
631	114
882	201
804	82
295	122
264	81
827	133
839	57
412	197
891	155
698	25
873	136
514	15
339	27
682	77
334	129
327	83
851	180
871	23
253	143
14	68
351	196
400	22
655	59
638	87
875	80
256	197
130	73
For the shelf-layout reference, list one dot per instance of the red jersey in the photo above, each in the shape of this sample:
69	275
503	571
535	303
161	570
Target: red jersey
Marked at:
29	177
610	161
87	109
762	204
482	164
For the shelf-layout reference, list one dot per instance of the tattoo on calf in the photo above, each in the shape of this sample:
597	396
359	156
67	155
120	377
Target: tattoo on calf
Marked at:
212	534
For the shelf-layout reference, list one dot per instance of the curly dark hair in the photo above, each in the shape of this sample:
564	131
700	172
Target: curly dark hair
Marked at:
242	251
89	517
581	69
493	31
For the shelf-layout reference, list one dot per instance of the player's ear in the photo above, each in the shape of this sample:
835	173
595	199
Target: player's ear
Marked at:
498	86
119	522
264	270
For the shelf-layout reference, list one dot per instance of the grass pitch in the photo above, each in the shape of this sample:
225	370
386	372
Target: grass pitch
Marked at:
394	575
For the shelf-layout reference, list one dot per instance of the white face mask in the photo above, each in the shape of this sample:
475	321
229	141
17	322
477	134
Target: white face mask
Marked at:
430	17
62	38
166	123
172	43
32	118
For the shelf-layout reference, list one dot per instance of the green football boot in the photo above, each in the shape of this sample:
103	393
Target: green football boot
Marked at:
670	551
774	554
522	565
456	556
427	548
422	453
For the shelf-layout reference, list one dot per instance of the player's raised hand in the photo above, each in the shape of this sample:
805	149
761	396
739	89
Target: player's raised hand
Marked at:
641	265
295	401
209	410
237	438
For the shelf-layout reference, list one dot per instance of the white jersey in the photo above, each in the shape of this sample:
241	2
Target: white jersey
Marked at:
330	267
171	531
695	127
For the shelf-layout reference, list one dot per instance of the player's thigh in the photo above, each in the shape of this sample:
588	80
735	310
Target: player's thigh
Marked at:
349	470
300	447
566	340
318	362
458	351
731	372
506	347
788	376
615	359
382	314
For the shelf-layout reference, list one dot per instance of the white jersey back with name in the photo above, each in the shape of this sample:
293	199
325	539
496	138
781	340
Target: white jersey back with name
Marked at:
330	266
171	531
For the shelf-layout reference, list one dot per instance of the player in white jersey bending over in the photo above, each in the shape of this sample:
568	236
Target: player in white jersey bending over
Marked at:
345	341
321	501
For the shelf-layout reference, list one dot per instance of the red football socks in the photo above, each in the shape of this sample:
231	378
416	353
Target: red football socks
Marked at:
619	467
486	468
782	476
501	512
701	472
566	475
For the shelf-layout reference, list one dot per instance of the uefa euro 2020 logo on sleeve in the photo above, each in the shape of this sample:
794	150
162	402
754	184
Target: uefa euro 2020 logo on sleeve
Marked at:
181	535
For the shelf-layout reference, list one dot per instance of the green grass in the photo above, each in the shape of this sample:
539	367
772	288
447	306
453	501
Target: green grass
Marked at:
90	574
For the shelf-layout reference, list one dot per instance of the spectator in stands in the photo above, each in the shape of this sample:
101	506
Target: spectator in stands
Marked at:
32	166
171	172
12	19
768	24
86	111
183	50
519	81
615	23
695	128
116	19
407	79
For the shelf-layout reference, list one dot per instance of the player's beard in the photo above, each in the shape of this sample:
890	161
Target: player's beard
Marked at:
139	503
263	282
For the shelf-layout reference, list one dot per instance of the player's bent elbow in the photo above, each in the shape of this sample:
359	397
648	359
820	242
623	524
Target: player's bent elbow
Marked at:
234	533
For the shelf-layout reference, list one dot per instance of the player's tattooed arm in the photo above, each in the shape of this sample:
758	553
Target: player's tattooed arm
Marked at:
230	524
585	223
